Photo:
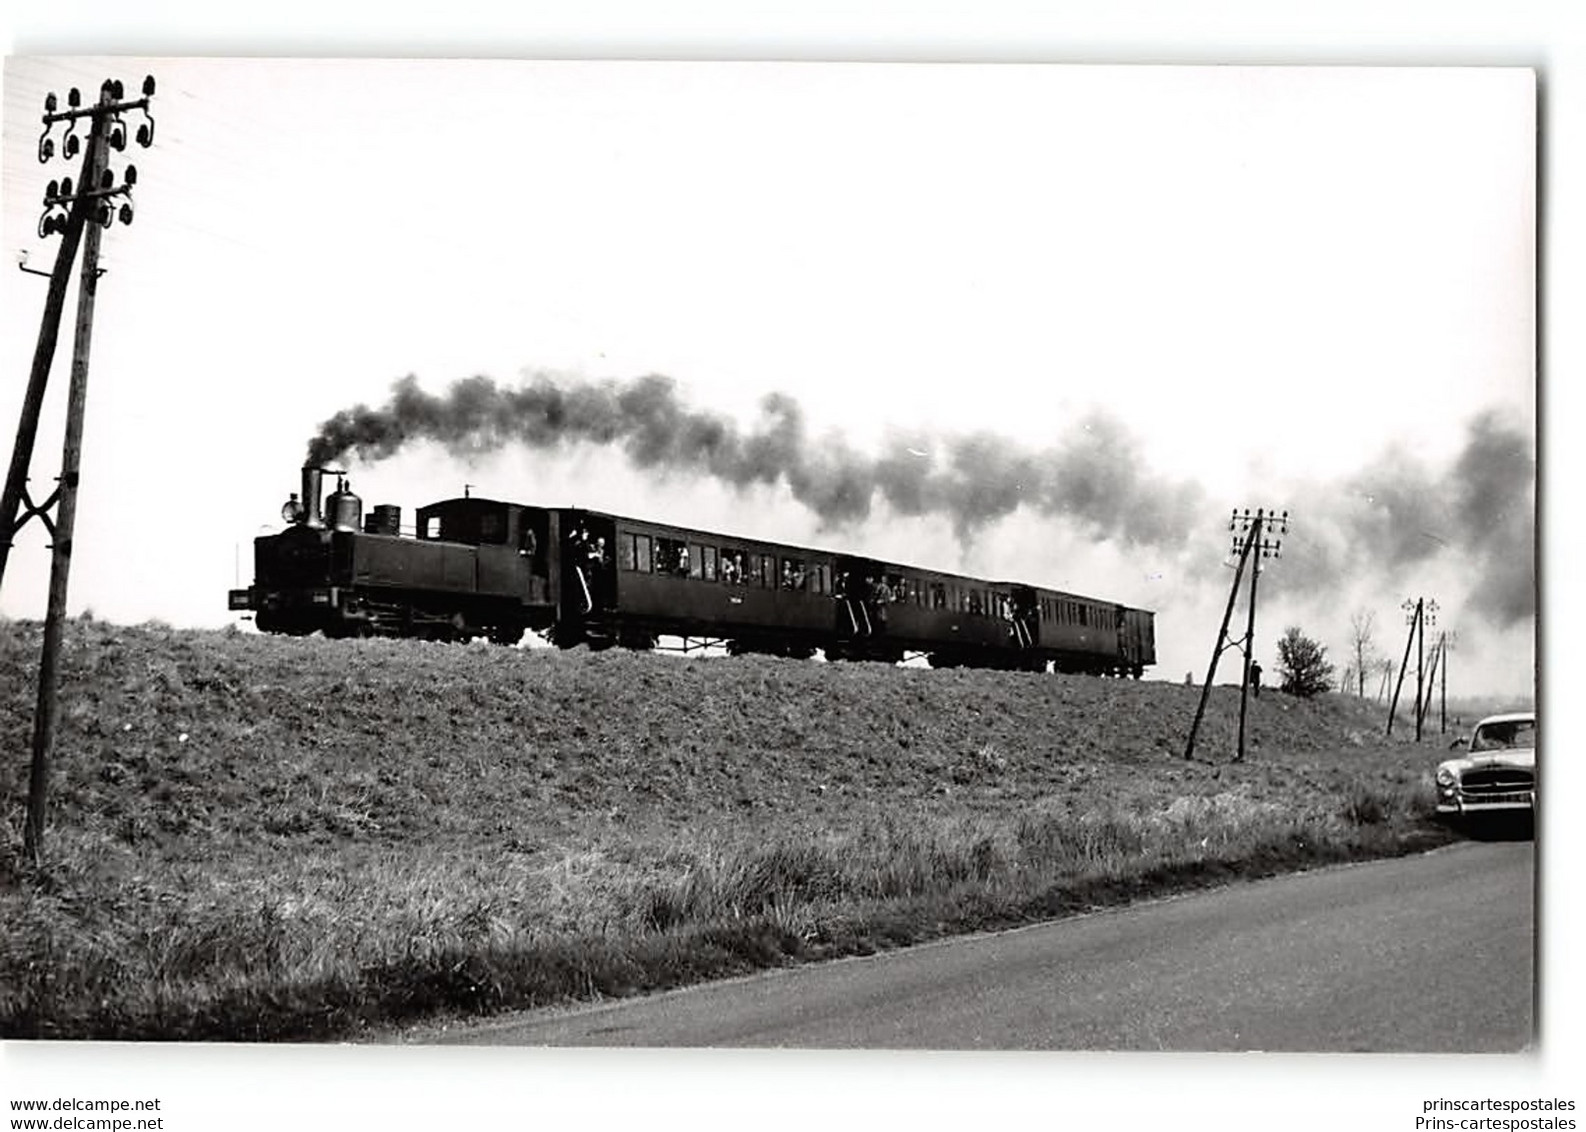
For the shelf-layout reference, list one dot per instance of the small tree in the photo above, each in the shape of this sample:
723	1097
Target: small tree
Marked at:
1303	664
1360	627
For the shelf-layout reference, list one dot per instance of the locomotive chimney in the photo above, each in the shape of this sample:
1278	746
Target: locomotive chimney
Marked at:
311	485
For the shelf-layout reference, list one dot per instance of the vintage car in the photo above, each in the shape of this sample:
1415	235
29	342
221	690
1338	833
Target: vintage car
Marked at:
1497	772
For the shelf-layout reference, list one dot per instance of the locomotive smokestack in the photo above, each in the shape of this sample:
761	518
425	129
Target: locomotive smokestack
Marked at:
311	486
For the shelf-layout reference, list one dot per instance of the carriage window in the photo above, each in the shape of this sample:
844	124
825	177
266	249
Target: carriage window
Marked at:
671	557
732	567
1083	617
707	562
818	579
793	574
641	553
938	596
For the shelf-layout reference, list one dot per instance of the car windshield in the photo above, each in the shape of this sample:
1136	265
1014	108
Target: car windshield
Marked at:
1509	733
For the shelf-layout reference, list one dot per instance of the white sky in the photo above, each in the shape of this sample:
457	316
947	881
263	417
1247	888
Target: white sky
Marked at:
1183	260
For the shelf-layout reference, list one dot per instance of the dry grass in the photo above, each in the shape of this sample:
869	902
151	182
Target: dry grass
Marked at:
259	838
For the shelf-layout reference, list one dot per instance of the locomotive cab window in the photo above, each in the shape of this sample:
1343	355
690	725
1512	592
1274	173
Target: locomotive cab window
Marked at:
478	522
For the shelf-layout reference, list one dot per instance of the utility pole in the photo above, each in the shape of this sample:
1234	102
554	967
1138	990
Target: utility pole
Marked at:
1445	644
93	208
1248	544
1428	616
1417	613
1431	677
1413	615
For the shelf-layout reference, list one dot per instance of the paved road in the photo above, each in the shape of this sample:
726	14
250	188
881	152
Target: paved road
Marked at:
1426	953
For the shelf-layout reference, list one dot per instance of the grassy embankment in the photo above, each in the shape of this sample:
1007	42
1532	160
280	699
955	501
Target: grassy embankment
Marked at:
257	838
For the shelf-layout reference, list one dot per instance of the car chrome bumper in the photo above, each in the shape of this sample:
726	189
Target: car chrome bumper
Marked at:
1516	800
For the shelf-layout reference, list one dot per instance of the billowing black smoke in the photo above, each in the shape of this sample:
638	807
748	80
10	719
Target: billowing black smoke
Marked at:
1093	476
1392	516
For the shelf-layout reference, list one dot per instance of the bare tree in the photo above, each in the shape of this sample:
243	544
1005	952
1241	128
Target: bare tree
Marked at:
1360	625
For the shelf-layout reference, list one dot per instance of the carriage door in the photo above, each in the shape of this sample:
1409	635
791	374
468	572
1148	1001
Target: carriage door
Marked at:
1026	625
855	586
589	573
1128	637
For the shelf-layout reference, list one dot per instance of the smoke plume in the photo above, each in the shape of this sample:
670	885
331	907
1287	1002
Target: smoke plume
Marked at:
1092	477
1477	514
1379	524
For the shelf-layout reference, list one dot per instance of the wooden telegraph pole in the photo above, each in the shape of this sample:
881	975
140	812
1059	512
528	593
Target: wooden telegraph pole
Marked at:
1412	610
1431	677
1423	693
1417	613
1249	545
92	208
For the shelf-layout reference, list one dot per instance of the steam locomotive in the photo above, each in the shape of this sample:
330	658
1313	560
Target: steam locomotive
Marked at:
479	567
